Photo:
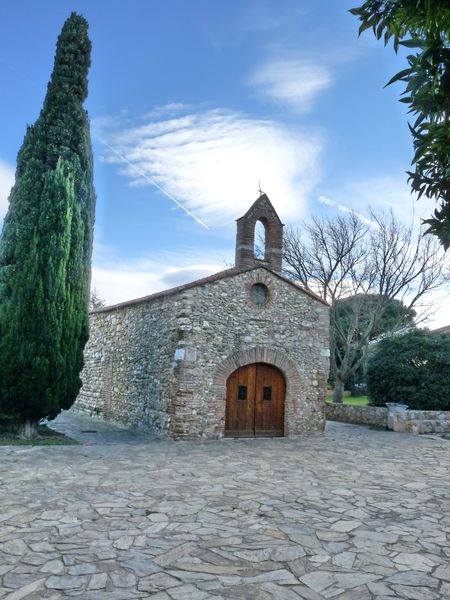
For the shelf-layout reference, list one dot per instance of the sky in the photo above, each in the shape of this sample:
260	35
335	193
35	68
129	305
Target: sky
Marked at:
195	106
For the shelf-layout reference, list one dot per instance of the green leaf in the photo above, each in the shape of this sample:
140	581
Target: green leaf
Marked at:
401	75
413	43
423	25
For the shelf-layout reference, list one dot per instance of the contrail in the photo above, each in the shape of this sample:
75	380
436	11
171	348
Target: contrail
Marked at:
122	157
150	180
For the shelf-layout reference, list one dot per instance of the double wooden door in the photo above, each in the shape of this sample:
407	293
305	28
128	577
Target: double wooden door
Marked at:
255	402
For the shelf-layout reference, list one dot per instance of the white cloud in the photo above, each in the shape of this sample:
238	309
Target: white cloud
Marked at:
436	308
381	194
6	183
292	82
167	110
346	209
121	280
386	192
263	17
211	162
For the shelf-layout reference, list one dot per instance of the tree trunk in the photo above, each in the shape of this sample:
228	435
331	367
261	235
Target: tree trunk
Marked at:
338	391
28	429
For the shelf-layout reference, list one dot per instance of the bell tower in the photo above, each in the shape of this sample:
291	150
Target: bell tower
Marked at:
262	211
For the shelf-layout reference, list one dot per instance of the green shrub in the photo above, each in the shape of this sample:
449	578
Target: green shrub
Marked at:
413	369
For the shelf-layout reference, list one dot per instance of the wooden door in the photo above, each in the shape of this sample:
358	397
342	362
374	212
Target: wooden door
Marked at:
255	402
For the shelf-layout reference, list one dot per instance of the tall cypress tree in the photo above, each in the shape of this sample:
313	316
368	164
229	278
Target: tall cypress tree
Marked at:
46	245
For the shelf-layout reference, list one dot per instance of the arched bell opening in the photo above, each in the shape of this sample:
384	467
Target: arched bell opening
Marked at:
260	216
260	240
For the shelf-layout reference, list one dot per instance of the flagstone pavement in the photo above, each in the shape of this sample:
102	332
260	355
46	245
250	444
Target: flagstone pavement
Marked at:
355	514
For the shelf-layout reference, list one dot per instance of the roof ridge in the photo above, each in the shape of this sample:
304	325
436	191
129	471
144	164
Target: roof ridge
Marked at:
202	281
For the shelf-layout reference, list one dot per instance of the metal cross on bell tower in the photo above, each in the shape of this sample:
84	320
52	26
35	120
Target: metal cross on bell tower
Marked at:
259	188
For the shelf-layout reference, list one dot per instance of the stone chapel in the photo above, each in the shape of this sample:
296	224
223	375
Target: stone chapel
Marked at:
242	353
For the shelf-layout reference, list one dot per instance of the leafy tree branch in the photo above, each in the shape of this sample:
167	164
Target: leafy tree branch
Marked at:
424	27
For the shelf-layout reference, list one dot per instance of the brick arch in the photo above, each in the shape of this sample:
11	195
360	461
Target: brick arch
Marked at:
258	354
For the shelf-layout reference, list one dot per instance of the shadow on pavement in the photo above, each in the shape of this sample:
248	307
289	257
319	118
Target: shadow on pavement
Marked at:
88	430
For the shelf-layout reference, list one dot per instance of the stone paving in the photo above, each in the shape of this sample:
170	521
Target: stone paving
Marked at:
356	514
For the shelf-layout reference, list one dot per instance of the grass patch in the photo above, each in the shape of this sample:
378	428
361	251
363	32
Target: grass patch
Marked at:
45	437
351	400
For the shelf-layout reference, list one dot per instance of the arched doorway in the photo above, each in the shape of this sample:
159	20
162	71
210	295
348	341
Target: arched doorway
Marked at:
255	402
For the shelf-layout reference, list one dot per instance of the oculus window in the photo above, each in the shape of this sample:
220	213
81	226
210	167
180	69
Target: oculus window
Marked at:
259	294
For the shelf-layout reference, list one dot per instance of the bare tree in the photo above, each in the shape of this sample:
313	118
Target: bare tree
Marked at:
95	300
361	268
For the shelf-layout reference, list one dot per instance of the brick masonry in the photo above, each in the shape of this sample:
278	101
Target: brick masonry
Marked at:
263	211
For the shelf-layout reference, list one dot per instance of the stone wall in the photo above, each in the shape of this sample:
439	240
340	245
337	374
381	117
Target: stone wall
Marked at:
409	421
224	331
162	363
422	421
360	415
128	373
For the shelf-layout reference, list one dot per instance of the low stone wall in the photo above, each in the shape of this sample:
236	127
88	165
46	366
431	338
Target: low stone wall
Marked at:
360	415
409	421
422	421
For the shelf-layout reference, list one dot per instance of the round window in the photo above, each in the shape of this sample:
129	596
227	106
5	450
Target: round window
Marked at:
259	294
